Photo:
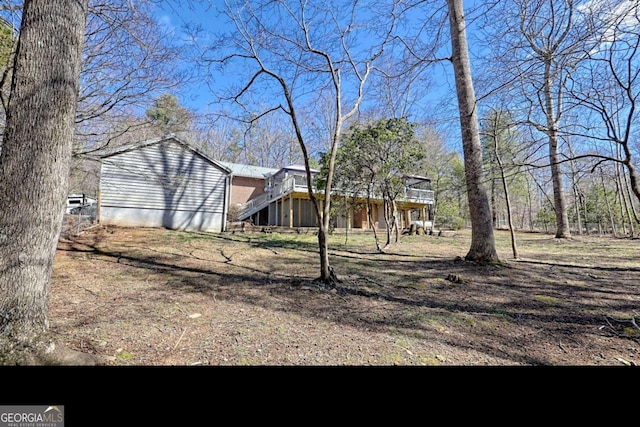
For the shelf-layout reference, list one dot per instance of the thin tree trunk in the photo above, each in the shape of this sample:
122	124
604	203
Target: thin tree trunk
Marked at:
576	191
396	226
631	210
494	208
530	203
505	187
634	182
387	221
348	221
322	206
576	206
34	168
619	187
585	209
434	210
482	238
606	200
372	224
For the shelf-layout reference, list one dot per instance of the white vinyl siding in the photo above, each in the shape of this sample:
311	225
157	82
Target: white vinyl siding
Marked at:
163	185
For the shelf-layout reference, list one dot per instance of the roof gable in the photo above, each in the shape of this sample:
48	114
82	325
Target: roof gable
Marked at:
171	138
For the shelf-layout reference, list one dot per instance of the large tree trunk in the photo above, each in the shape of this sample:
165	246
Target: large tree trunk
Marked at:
562	218
34	166
634	182
482	240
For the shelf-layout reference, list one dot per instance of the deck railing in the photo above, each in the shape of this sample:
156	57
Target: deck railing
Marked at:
276	192
299	184
418	195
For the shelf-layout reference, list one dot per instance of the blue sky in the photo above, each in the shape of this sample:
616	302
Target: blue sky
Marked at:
174	19
442	100
207	18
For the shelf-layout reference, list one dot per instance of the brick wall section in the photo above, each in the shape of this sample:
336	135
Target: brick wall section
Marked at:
244	189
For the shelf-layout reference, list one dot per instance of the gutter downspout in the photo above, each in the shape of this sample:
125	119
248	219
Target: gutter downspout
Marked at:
99	210
227	201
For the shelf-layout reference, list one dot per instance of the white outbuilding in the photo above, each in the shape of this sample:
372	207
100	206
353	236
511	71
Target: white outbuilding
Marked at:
163	182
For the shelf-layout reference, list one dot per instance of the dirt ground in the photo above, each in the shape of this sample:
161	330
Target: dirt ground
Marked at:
150	297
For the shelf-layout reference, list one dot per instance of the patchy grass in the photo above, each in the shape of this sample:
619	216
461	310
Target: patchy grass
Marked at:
546	299
183	298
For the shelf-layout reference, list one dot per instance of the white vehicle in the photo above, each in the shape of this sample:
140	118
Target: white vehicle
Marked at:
75	201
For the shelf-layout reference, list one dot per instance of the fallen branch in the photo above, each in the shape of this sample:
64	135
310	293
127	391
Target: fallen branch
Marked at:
228	258
404	348
268	248
179	339
561	347
631	321
89	290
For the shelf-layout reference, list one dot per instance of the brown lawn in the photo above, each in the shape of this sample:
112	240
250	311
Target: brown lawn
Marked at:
160	297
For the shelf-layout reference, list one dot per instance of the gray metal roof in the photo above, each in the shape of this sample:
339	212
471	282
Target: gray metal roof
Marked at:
248	171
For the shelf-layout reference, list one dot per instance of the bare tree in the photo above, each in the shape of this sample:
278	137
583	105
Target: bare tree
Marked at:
300	52
547	31
422	51
535	50
39	133
128	61
219	136
482	239
498	136
399	89
609	85
268	142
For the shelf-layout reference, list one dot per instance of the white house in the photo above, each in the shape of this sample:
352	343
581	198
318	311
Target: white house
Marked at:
163	182
285	202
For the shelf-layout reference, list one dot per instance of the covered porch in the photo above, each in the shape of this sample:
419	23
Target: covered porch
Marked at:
296	210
